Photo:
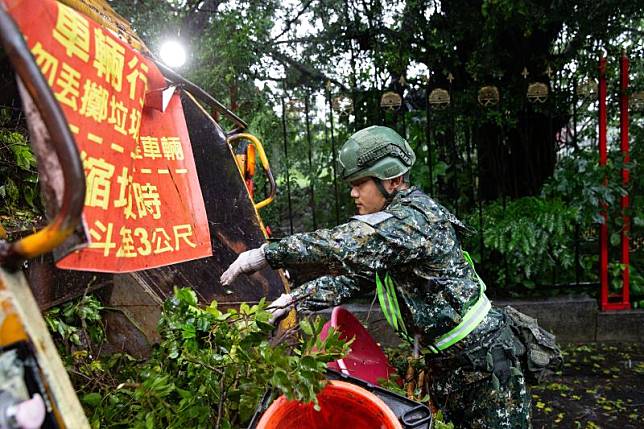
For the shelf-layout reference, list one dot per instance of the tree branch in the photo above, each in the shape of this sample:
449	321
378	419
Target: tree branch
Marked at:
290	22
195	22
313	74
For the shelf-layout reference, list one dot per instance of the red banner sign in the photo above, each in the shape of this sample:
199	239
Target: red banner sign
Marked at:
143	206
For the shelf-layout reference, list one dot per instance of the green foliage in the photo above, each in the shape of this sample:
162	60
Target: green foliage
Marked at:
77	324
18	177
615	271
441	423
24	158
533	240
210	369
525	240
578	181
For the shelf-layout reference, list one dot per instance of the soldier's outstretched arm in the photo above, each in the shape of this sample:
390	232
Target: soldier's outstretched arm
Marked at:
326	247
352	246
323	246
325	292
361	247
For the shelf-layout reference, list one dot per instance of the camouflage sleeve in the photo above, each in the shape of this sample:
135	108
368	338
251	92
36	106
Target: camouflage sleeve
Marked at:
351	254
324	292
341	252
330	248
358	247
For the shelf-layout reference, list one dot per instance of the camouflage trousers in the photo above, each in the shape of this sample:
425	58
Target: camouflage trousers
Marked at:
484	386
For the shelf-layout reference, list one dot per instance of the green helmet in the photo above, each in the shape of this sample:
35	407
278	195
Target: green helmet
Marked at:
375	152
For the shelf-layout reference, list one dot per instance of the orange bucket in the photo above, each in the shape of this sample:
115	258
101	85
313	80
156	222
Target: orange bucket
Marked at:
342	405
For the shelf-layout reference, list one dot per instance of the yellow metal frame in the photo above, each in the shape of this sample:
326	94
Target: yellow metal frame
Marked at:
22	321
43	241
262	157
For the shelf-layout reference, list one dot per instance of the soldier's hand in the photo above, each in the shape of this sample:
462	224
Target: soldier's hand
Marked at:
280	307
246	263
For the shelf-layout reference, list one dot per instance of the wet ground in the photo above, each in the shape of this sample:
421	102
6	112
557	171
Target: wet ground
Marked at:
601	386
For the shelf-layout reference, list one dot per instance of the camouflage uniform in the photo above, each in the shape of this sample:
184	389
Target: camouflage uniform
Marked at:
477	382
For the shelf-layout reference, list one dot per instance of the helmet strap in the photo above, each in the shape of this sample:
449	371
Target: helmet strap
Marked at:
388	195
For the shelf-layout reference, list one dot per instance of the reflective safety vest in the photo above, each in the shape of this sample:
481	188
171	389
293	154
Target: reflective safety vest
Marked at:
388	300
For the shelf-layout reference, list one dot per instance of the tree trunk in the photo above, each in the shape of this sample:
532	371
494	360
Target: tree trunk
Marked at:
517	161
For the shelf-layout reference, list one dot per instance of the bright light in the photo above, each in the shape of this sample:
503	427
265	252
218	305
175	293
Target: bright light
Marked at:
172	54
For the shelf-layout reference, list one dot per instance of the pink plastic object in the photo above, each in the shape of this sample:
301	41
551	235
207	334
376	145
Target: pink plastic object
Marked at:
30	414
366	360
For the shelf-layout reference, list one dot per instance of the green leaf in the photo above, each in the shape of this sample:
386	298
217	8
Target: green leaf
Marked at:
92	399
149	421
23	155
306	327
186	296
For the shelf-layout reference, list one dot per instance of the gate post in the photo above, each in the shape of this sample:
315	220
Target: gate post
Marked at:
603	228
624	203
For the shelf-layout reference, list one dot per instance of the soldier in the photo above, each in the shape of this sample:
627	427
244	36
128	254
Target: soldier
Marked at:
407	245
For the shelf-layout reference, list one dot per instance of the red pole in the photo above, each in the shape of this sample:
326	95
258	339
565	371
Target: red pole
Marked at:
603	228
623	131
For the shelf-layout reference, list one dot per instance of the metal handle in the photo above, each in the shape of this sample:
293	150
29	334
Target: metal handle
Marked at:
71	208
199	93
265	165
410	421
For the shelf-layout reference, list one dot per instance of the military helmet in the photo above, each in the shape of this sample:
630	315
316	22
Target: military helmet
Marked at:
375	152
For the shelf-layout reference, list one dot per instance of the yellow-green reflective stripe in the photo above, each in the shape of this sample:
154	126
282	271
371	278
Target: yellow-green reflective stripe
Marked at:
389	284
471	320
391	309
389	305
469	260
384	302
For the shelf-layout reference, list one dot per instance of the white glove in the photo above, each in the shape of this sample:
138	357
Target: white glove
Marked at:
280	307
247	263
